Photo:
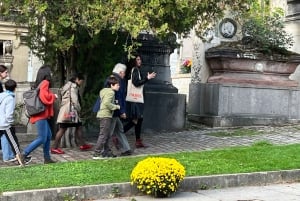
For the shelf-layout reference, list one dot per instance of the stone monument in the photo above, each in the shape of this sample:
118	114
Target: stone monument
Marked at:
245	94
164	108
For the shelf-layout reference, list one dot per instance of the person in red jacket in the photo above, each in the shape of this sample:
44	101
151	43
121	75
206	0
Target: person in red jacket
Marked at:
41	120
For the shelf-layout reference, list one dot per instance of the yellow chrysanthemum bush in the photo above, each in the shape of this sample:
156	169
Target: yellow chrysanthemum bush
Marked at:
157	176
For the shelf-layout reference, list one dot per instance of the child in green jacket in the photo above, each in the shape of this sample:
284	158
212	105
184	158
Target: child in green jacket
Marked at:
105	114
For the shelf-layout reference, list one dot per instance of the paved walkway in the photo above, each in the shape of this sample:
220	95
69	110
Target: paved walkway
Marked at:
191	140
276	192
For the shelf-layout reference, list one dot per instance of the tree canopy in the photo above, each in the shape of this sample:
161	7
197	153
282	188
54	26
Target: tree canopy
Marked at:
91	35
55	25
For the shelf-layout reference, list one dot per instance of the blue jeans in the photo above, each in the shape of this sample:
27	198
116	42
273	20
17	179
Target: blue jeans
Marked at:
6	149
43	138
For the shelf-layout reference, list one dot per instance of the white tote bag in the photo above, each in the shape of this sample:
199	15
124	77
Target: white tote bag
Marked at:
134	94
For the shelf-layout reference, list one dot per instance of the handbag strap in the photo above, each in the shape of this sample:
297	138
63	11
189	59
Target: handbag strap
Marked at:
70	96
138	72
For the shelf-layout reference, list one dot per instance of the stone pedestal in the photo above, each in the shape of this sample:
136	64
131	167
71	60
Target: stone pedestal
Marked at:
156	57
245	90
225	105
164	108
164	111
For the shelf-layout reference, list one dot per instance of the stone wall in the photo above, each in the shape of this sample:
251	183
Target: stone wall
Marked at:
236	105
182	82
18	55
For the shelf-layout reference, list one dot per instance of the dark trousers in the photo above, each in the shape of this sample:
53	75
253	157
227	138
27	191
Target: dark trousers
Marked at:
137	128
104	136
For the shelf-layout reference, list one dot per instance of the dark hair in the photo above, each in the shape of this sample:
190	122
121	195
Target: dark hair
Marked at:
80	76
111	80
10	85
132	61
44	73
130	64
2	68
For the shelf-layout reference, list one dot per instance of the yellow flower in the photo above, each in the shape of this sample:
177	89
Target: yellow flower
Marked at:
155	175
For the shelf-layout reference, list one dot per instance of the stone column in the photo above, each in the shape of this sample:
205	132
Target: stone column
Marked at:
156	57
164	107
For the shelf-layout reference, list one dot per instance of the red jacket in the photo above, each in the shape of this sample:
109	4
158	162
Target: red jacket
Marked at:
48	98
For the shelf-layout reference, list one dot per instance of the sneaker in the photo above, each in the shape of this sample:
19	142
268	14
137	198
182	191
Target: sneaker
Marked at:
126	153
25	159
47	161
97	156
57	151
110	155
85	147
10	160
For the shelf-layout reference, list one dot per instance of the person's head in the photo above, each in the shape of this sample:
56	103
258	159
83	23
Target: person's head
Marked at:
77	78
120	70
3	72
44	73
10	85
113	83
138	61
135	61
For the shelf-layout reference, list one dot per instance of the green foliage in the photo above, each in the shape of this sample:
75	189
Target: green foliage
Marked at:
91	35
54	25
263	29
222	161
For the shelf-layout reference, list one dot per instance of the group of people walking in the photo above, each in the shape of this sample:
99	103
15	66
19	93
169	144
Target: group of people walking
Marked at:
113	110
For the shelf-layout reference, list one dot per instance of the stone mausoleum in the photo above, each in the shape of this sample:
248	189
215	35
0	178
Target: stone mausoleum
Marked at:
226	92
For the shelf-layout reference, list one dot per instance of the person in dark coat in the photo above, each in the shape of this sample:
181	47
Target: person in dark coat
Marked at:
117	130
135	110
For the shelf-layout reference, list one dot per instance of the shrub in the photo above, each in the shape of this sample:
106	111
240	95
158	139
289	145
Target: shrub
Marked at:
157	176
263	29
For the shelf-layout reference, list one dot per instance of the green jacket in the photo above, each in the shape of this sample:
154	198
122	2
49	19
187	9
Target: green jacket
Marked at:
108	105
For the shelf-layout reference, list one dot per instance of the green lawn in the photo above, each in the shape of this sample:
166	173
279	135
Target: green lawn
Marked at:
259	157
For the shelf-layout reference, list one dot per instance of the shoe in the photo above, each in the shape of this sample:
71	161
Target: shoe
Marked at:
10	160
110	155
25	159
97	156
48	161
126	153
57	151
85	147
139	144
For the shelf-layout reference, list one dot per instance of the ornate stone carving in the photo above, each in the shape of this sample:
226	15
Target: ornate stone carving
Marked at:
156	57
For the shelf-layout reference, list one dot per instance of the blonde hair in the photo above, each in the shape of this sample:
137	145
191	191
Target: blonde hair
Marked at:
119	67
